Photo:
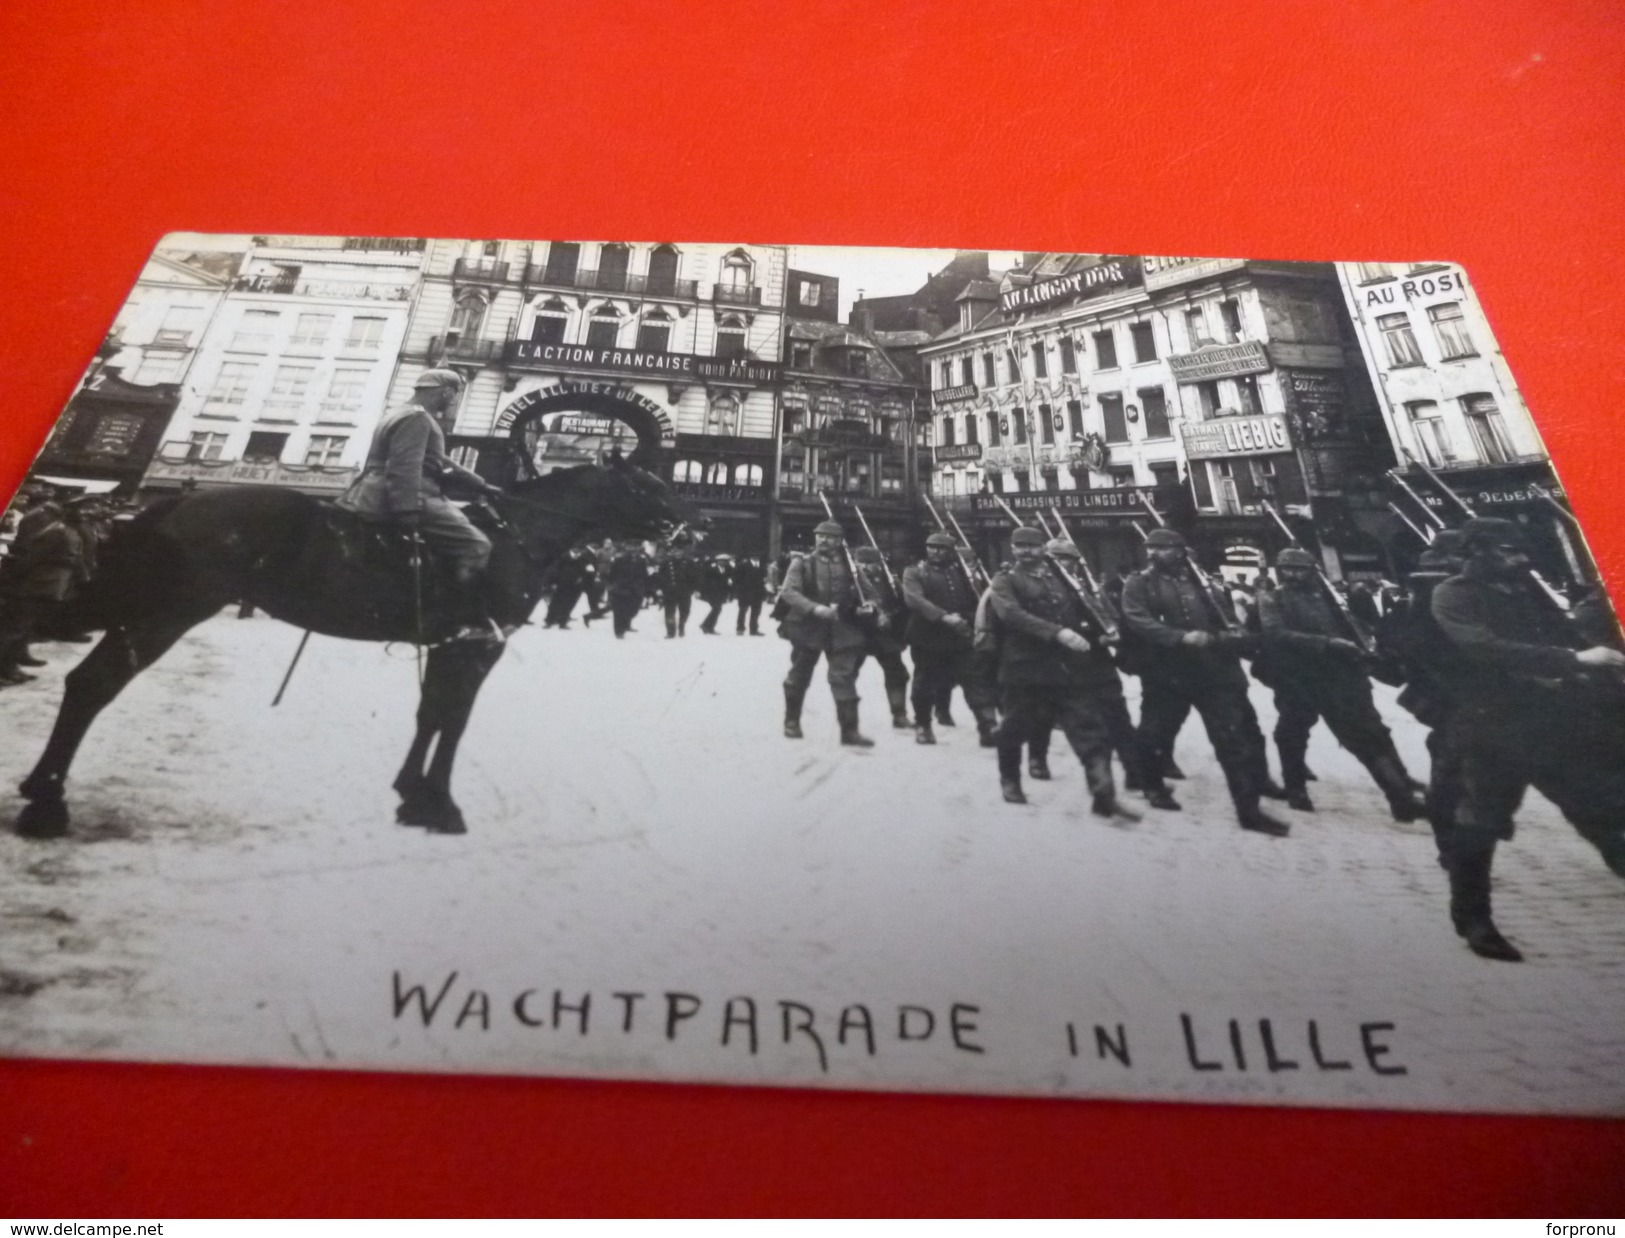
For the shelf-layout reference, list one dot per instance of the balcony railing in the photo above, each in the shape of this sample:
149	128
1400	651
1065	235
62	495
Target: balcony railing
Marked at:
340	290
728	294
465	350
488	269
614	281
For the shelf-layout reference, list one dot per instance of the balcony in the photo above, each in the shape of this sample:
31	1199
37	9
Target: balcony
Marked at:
455	349
725	294
338	290
614	281
488	270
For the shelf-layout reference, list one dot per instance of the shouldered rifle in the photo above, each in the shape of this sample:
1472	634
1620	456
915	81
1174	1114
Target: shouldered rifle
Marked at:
1356	630
1204	583
1094	601
886	567
1423	536
1107	630
868	614
1593	576
975	558
964	568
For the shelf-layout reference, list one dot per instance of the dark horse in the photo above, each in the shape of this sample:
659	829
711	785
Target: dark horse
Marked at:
313	565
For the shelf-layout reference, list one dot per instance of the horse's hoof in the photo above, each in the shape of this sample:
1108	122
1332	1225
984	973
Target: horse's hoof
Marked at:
40	787
43	819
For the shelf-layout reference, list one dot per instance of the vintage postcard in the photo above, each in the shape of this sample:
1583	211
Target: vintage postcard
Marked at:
1087	675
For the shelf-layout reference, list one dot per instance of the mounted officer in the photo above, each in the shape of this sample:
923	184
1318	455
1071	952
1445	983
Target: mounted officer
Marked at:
403	482
1537	705
1193	659
1052	673
942	615
1312	659
821	602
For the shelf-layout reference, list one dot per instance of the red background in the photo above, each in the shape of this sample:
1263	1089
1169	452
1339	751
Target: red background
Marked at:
1483	132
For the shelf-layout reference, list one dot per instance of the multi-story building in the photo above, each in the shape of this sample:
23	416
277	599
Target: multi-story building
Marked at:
107	435
293	369
569	345
1449	402
1097	384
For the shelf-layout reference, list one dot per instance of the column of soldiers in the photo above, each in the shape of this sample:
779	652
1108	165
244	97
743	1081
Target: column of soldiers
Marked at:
52	554
1516	692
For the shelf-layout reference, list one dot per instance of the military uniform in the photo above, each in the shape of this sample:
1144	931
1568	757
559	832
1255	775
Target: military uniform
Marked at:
46	564
812	581
749	590
1160	607
943	656
715	580
1308	658
1044	684
570	580
887	641
675	578
626	581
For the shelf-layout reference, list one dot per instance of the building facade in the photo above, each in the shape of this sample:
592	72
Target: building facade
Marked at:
568	345
293	369
1449	402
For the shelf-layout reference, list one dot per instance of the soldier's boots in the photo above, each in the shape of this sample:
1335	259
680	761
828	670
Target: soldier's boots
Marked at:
1403	801
945	715
1298	797
1163	798
1170	768
847	713
1255	819
1105	804
1011	789
1038	767
923	733
1470	904
897	698
987	722
1270	789
792	713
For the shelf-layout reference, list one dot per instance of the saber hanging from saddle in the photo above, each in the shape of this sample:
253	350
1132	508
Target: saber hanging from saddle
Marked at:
288	674
1204	582
964	568
1357	630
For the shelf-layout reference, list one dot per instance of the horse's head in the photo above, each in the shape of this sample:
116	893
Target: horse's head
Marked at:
592	501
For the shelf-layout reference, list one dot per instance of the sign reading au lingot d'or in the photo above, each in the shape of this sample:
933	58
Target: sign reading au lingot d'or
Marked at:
1236	436
641	361
1219	361
1119	500
1097	278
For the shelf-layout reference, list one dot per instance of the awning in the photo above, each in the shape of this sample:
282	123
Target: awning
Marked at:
85	485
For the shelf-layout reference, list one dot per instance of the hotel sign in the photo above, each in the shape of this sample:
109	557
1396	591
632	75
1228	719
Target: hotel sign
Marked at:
667	365
1235	436
1090	280
1219	361
1168	272
947	395
959	453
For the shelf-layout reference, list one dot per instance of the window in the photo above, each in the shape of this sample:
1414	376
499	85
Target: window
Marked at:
466	319
793	419
1164	476
1046	423
1196	327
970	428
1111	414
180	321
205	445
365	333
311	330
1145	342
1207	396
1201	484
945	375
947	432
1230	315
563	257
1155	404
289	386
231	384
1023	481
663	271
325	449
993	439
716	473
1105	351
603	331
547	327
1074	417
1451	329
809	293
613	263
264	447
967	373
1018	423
1049	479
254	331
737	275
1069	356
1488	429
1370	272
654	333
1012	366
686	471
730	338
1398	339
468	457
159	367
1040	360
1122	477
723	416
1429	433
987	370
345	393
1248	401
749	474
801	356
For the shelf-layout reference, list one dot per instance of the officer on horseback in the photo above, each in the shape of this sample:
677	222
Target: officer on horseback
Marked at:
402	482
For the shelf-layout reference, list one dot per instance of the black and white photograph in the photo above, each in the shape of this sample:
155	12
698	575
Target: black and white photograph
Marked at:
1054	674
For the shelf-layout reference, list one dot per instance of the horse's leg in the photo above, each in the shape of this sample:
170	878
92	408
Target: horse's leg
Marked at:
454	673
89	688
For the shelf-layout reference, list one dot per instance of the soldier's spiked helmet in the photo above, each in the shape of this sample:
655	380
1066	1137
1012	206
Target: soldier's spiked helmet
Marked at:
1490	531
439	377
940	539
1164	537
1027	536
1294	556
866	554
829	526
1060	546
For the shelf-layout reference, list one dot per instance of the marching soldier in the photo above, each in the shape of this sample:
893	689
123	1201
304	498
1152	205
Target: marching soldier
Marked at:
675	581
942	616
1538	705
1192	659
886	639
821	603
1052	674
749	590
1318	672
